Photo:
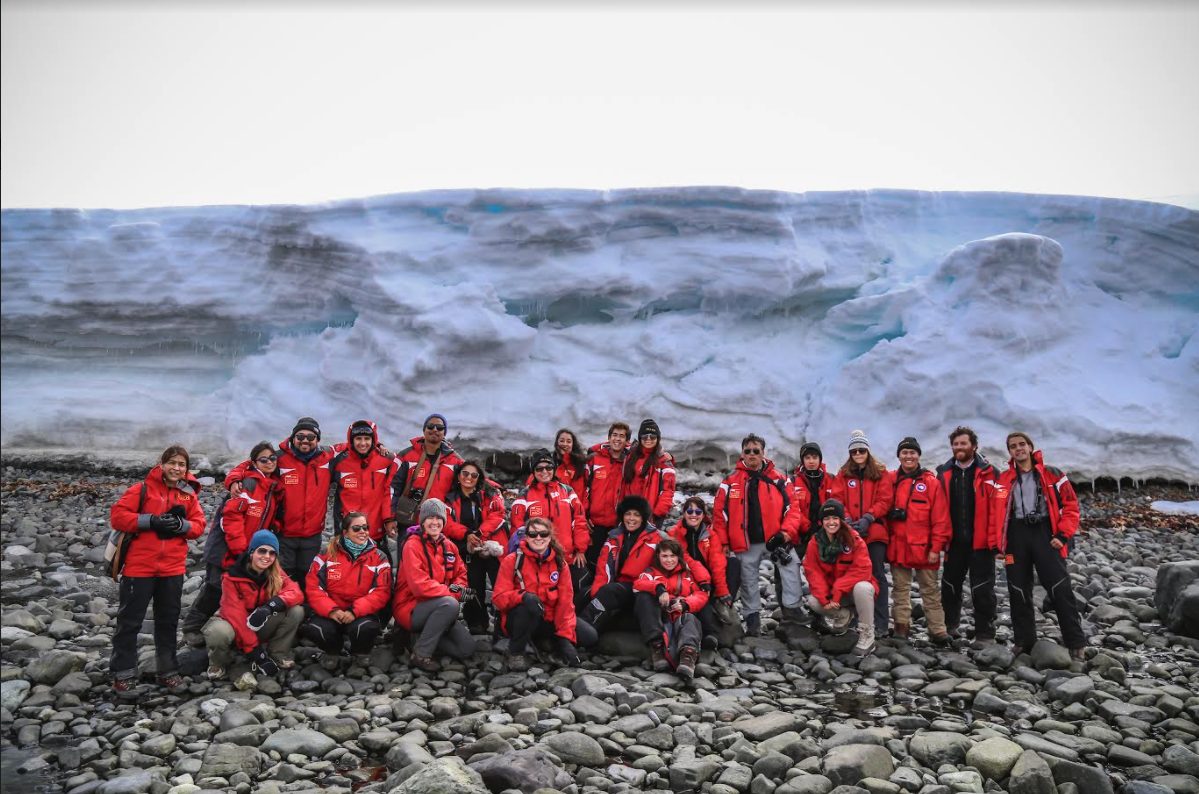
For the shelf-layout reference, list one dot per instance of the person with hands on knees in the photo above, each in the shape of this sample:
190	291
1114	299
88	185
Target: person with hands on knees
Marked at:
430	588
694	534
161	513
838	567
349	589
260	611
534	597
668	598
864	491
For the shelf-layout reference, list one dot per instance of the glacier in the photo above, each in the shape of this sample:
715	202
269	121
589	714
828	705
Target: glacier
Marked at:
716	311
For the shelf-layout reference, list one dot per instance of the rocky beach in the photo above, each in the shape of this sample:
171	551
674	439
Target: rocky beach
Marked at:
766	716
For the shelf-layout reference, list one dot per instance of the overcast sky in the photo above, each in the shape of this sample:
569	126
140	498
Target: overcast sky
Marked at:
127	104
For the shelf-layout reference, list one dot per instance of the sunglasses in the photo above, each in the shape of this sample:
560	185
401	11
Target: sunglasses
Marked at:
693	511
357	528
266	458
536	534
267	551
859	452
469	475
543	468
751	452
304	437
435	428
649	435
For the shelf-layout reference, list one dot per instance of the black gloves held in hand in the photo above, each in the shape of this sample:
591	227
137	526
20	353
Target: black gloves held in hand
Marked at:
263	663
567	650
777	542
531	601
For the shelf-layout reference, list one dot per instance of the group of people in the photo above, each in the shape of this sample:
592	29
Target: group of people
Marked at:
424	538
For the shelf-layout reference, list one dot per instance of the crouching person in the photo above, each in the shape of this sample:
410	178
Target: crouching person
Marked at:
348	587
430	589
838	568
535	597
668	598
260	611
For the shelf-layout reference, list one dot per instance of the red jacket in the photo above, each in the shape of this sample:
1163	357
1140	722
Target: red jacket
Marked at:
1060	500
305	489
657	487
801	491
989	503
426	571
575	478
362	586
926	530
865	496
150	555
638	559
561	506
242	593
831	582
434	484
523	571
256	507
362	483
706	550
730	514
488	501
605	486
679	583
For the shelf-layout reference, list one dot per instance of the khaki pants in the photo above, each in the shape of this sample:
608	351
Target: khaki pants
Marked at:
279	634
838	618
930	593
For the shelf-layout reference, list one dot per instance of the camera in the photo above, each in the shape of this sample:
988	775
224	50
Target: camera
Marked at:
897	514
1033	520
781	555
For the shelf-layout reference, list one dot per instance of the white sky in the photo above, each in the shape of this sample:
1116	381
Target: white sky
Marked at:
125	105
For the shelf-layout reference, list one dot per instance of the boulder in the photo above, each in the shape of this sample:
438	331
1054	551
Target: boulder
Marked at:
1177	597
300	741
994	757
226	760
575	748
443	776
933	748
849	763
526	770
1031	775
52	666
767	725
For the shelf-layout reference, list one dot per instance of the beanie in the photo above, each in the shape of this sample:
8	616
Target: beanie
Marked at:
832	507
432	508
858	440
637	504
437	416
264	537
307	423
649	426
908	443
810	448
542	456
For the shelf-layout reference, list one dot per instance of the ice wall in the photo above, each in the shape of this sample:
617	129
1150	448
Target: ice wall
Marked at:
716	311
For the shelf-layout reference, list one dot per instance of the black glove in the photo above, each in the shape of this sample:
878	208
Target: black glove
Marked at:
531	601
257	619
263	663
862	525
681	605
181	514
707	588
567	650
727	600
777	542
165	525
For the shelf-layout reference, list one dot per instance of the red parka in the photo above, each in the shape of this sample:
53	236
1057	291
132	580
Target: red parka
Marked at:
656	487
679	583
487	501
926	530
361	585
150	555
703	546
730	514
638	559
242	592
305	486
831	582
605	486
575	478
435	484
1060	500
362	483
989	503
865	496
525	571
256	507
559	504
427	569
802	496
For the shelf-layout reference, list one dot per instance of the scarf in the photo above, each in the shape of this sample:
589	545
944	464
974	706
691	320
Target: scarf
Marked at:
828	548
354	549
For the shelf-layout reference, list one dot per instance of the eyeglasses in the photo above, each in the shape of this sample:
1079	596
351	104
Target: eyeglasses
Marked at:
304	437
469	475
267	550
859	452
694	511
649	435
543	468
435	428
357	528
266	458
751	452
536	534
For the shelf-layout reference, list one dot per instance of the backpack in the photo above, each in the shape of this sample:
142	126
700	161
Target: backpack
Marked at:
215	547
117	548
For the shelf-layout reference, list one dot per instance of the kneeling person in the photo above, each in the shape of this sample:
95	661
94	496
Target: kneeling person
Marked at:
838	568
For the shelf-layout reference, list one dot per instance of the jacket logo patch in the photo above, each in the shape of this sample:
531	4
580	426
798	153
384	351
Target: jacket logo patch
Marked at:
853	483
735	492
601	474
536	509
450	557
333	573
921	487
1009	559
291	479
554	577
350	482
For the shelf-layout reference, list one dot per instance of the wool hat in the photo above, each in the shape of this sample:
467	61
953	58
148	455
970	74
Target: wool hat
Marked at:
263	537
648	426
432	508
858	440
362	428
908	443
635	503
436	416
810	448
542	456
832	507
307	423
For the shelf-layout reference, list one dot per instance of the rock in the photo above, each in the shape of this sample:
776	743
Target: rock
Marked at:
527	770
588	708
339	729
1031	775
811	784
1180	759
13	693
767	725
1089	779
1177	596
691	774
1072	689
133	781
245	735
933	748
77	683
403	754
1144	787
378	741
575	748
1048	655
22	619
51	666
159	746
1120	755
994	757
300	741
443	776
63	629
226	760
849	763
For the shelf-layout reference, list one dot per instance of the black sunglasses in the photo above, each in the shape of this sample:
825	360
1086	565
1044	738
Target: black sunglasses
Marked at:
357	528
535	534
751	452
266	458
435	428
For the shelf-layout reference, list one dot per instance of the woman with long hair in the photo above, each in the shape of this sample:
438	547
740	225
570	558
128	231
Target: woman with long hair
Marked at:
649	471
162	513
864	491
475	522
838	568
572	463
668	598
694	533
549	498
260	611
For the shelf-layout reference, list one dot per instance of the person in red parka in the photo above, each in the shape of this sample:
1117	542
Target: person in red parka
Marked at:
627	552
572	464
430	588
475	521
349	586
605	487
649	471
546	497
864	490
362	476
919	526
534	597
426	470
668	598
694	533
162	513
838	568
260	611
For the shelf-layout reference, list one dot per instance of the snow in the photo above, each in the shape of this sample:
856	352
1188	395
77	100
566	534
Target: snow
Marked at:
1176	508
716	311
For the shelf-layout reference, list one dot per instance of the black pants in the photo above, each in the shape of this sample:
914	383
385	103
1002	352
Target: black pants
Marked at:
479	571
649	617
612	599
524	624
1028	549
136	594
206	602
295	556
878	562
961	559
330	636
599	536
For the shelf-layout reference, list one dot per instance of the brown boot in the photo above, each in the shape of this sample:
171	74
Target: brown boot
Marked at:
687	659
902	630
657	658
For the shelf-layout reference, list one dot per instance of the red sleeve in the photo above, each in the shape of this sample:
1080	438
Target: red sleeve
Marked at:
195	516
860	571
505	595
237	474
494	526
564	612
801	500
942	529
696	600
123	515
790	526
818	584
520	506
454	529
318	598
699	573
422	586
720	515
718	564
601	568
884	491
235	612
233	522
995	503
647	582
379	595
665	499
291	593
1067	523
582	535
388	513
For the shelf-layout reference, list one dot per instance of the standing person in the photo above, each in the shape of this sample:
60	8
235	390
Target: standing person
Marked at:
259	504
919	523
976	514
605	487
260	611
362	476
572	464
475	522
667	600
534	598
753	516
838	566
694	534
430	588
625	554
812	486
349	587
649	471
426	470
162	513
865	492
1042	516
547	498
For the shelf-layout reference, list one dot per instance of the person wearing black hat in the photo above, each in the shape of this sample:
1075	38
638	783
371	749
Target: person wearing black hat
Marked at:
649	471
426	469
838	568
363	475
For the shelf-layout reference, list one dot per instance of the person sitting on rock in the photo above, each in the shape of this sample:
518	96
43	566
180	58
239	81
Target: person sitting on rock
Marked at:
668	598
348	587
694	534
546	497
260	611
839	574
162	513
430	588
535	599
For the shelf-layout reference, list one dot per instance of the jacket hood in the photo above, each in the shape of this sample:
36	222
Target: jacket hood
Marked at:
1037	460
188	478
360	423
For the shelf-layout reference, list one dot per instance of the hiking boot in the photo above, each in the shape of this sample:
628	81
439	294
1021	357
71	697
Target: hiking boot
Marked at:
865	644
753	624
943	639
902	630
518	662
982	641
426	663
1078	654
657	658
838	621
193	638
687	659
797	615
172	682
215	672
125	688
